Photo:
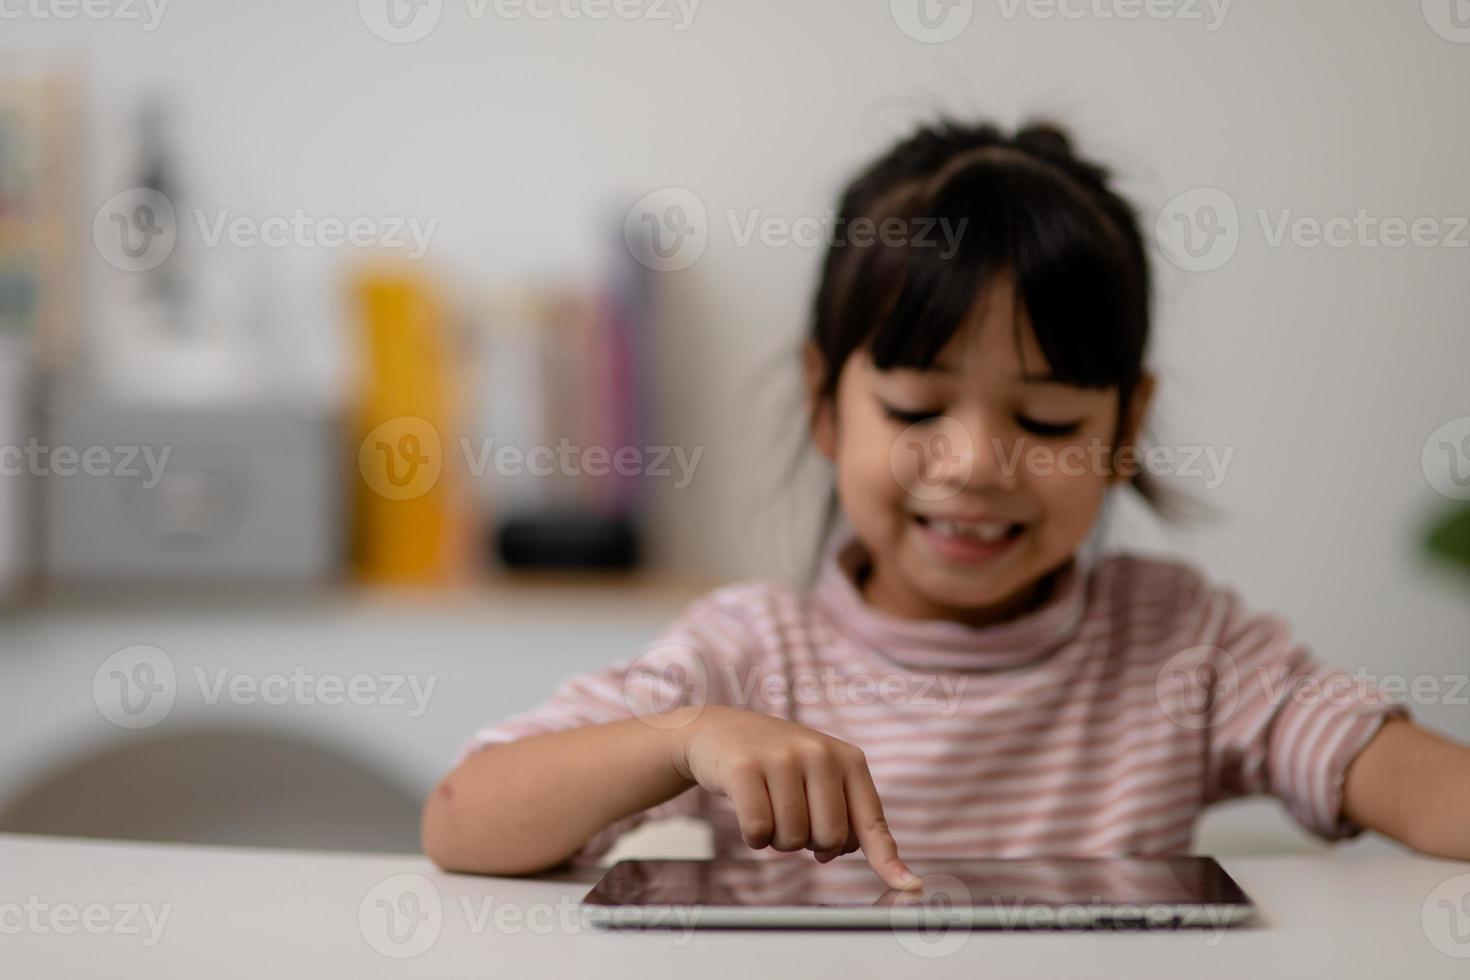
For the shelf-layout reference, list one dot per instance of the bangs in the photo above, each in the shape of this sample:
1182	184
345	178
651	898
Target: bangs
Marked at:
1078	277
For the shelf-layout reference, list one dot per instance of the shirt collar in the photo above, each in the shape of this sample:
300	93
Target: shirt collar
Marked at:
940	644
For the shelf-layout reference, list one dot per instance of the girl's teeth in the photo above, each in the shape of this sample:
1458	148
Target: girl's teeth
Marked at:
987	532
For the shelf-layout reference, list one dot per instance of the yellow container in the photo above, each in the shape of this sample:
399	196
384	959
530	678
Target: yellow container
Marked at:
409	522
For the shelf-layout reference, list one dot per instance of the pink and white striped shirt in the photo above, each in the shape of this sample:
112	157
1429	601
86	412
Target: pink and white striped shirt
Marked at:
1101	723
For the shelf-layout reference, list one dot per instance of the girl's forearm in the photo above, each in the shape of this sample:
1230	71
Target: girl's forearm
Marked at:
528	805
1414	786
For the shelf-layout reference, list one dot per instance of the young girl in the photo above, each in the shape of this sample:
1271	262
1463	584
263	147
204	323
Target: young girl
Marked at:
958	682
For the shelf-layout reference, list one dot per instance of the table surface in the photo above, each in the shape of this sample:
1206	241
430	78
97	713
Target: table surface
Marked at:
68	907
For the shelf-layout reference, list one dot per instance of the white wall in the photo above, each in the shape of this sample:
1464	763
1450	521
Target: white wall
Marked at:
1325	368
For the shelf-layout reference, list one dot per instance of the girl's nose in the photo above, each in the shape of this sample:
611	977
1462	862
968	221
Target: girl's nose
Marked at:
992	462
943	457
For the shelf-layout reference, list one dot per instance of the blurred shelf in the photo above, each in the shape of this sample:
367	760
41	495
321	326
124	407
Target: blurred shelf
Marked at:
542	587
532	593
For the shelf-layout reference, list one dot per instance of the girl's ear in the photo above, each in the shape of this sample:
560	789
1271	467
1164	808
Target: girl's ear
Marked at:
819	409
1137	414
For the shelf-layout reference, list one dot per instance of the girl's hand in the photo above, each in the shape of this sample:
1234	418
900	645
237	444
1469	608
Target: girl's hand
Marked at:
793	787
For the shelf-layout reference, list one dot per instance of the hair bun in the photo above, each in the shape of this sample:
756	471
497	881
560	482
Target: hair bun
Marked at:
1046	139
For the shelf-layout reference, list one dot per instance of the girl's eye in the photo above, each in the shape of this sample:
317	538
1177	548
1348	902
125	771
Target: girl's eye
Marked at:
909	417
1047	430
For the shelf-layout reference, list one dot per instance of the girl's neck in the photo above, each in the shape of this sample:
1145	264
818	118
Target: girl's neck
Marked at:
897	599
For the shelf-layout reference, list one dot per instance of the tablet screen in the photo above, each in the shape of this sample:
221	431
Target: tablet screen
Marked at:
797	881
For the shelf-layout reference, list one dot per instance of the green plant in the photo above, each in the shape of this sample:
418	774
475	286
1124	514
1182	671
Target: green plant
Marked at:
1451	538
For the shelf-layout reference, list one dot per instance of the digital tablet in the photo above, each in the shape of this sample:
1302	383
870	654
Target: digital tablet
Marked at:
794	891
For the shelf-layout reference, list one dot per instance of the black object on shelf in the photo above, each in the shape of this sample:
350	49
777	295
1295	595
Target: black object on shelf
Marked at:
568	540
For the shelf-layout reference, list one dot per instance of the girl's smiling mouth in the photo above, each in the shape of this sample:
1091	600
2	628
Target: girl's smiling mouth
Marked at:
968	540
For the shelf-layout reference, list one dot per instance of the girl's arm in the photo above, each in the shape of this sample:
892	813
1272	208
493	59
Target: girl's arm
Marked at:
1414	786
528	805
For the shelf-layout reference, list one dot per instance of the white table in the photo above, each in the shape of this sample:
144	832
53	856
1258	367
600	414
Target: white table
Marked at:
72	908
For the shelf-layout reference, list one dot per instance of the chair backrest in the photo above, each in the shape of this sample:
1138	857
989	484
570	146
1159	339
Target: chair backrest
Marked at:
222	787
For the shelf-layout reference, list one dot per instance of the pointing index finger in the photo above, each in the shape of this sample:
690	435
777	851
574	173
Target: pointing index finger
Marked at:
865	812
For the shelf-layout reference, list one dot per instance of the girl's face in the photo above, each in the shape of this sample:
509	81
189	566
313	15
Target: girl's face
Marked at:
968	482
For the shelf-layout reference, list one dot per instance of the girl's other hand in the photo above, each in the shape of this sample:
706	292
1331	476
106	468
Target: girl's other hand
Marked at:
793	787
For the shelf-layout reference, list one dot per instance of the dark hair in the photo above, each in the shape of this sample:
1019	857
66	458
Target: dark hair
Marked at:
1025	206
